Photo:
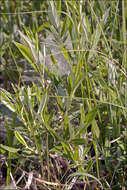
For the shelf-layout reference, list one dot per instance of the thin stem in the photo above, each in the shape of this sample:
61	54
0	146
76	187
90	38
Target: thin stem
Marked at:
8	169
124	16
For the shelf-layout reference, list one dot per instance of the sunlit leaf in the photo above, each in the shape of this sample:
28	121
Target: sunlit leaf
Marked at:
7	100
9	149
20	138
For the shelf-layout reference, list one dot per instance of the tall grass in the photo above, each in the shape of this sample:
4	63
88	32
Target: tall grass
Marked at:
68	93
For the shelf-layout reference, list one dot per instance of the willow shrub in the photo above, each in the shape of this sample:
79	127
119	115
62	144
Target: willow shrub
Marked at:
71	98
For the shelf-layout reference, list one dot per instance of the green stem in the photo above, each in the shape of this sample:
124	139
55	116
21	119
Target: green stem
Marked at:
8	169
124	17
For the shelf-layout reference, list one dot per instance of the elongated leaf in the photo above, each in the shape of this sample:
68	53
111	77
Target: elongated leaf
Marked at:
20	138
86	175
68	151
78	141
96	37
54	134
88	120
25	52
97	33
78	82
43	103
64	26
66	132
95	129
35	58
7	100
9	149
53	16
2	151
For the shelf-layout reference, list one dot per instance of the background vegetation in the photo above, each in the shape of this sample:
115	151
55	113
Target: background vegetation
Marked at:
63	79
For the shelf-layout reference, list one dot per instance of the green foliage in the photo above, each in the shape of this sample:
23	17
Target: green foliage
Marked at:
69	93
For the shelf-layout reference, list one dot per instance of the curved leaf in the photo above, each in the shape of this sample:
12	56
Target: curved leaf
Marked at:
9	149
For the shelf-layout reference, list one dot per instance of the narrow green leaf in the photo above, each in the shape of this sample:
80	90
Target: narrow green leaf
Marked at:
54	134
95	129
78	82
25	52
86	175
68	151
64	26
95	39
30	53
88	120
66	132
7	100
53	16
9	149
20	138
2	151
58	7
78	141
43	103
60	102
